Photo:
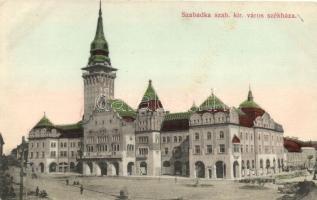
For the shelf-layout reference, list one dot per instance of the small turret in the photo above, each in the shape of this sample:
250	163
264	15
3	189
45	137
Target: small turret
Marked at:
150	99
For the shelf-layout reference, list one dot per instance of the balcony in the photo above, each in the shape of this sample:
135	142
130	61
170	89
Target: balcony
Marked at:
113	154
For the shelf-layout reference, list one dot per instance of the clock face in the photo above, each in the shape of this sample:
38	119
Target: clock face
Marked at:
101	103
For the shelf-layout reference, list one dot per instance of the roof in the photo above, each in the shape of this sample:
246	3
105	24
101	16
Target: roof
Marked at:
235	139
193	108
213	103
150	93
176	121
99	51
44	122
249	103
74	130
292	145
122	108
177	116
1	139
150	99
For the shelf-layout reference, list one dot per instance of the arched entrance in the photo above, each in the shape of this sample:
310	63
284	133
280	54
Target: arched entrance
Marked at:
41	167
103	168
177	168
79	167
143	168
113	169
220	169
52	167
236	169
130	168
200	169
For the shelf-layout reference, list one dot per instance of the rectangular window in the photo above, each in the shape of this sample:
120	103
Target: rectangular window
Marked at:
180	138
246	148
43	154
208	136
209	149
236	148
164	139
43	144
175	138
166	151
37	154
221	135
31	155
53	144
222	148
197	149
53	154
168	139
196	136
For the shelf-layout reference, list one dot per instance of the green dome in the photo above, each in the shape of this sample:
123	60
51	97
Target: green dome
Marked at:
99	52
194	108
213	103
249	103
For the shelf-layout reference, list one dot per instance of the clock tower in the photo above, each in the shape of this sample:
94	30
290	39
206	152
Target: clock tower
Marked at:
98	75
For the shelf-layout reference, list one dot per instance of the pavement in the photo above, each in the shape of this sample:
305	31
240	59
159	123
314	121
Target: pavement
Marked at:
152	188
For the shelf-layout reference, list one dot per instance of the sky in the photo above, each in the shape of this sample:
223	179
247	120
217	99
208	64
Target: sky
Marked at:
44	45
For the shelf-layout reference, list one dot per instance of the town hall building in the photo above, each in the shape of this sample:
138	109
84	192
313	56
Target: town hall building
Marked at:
212	140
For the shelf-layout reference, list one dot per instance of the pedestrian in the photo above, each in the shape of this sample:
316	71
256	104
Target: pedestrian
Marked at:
37	191
67	181
81	189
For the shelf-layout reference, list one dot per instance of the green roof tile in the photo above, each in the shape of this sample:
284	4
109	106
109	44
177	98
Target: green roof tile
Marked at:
77	125
99	47
44	122
177	116
213	102
249	103
150	93
122	108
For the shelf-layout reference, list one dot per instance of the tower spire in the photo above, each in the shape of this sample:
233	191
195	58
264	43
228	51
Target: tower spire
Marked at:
250	95
100	12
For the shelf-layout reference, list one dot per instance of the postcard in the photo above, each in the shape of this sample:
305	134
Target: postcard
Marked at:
160	100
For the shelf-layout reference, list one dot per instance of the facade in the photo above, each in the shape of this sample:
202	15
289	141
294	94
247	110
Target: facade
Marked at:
54	148
1	145
211	141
